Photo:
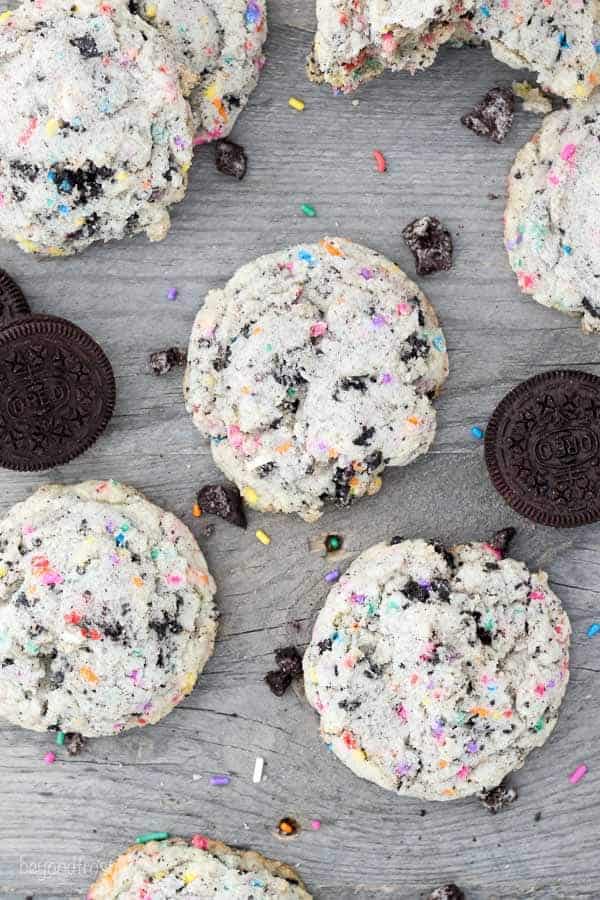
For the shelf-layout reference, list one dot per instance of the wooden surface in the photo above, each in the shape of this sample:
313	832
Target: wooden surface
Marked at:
58	824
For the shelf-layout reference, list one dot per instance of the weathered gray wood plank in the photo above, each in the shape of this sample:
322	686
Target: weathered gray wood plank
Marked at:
60	823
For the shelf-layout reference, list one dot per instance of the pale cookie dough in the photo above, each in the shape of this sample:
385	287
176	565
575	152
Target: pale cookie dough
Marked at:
219	48
106	610
95	133
436	672
200	869
558	39
313	370
357	40
552	228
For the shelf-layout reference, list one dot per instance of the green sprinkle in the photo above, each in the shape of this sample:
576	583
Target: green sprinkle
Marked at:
393	606
154	553
539	724
268	347
137	652
32	648
291	392
60	738
460	718
308	210
152	836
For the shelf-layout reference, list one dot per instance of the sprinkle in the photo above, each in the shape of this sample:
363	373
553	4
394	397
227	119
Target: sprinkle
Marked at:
151	10
152	836
477	433
380	161
288	827
332	576
250	495
308	210
333	542
263	537
172	293
258	770
60	738
196	511
296	104
578	774
593	630
219	780
315	824
49	758
199	842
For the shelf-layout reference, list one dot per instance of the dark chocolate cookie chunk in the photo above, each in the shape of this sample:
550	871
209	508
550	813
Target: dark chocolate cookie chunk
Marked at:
289	660
223	500
542	448
430	243
278	681
162	361
447	892
493	117
230	159
498	798
13	304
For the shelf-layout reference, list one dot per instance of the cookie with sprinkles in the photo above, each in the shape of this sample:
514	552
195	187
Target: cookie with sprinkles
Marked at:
357	40
196	868
311	371
106	610
435	672
551	222
219	47
95	133
558	39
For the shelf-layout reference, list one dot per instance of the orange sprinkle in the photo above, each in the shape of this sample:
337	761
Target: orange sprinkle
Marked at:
283	448
218	105
332	453
331	249
480	711
354	482
413	420
443	763
196	511
138	582
449	792
89	675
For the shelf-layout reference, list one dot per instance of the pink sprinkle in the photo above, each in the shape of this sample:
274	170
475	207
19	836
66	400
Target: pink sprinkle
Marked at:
494	550
568	152
52	578
199	842
235	437
380	161
315	824
403	309
401	713
463	772
318	329
49	758
537	595
174	579
578	774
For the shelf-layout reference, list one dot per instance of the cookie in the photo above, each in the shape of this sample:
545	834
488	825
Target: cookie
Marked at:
219	48
436	672
313	370
196	869
542	448
106	610
557	39
357	40
95	133
551	222
13	304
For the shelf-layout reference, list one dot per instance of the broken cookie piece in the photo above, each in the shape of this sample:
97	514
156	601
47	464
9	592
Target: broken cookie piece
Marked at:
494	116
430	243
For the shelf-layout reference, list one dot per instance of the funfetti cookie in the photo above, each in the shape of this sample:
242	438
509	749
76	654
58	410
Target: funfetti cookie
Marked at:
106	610
219	47
556	38
435	672
199	868
311	371
553	212
357	40
95	133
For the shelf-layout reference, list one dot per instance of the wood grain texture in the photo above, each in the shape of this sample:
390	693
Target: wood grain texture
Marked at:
60	823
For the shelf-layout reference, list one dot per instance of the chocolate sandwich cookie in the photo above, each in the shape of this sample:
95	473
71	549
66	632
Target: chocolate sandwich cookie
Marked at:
57	386
542	448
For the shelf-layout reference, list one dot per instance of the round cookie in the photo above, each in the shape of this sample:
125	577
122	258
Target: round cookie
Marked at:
557	39
218	45
95	133
106	610
436	672
357	40
197	868
551	222
313	370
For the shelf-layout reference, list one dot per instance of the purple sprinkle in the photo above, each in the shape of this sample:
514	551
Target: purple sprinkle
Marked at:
472	747
403	769
172	294
378	321
387	378
422	582
367	274
219	780
252	14
332	576
357	598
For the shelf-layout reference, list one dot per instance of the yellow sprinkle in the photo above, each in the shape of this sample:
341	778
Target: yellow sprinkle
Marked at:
359	754
188	877
211	91
151	10
158	876
5	16
55	251
52	127
374	486
186	167
263	537
89	675
27	245
296	104
188	683
3	571
580	90
122	176
250	495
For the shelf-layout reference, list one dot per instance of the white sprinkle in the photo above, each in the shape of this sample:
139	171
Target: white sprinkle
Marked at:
196	777
258	770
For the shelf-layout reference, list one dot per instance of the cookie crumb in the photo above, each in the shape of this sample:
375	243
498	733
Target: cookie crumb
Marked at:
162	361
537	817
447	892
498	798
231	159
75	743
223	500
494	116
430	242
289	660
278	681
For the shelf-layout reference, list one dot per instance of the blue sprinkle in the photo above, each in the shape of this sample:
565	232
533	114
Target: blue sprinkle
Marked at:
120	540
485	11
307	257
252	13
65	186
597	46
51	176
563	42
477	432
438	343
64	209
593	630
567	250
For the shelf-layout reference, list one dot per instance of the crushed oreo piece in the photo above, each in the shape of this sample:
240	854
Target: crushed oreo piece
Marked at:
493	117
223	500
75	743
447	892
230	159
289	660
163	361
498	798
503	539
279	681
430	242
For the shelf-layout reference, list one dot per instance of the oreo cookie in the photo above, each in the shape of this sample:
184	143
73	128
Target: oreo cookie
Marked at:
542	448
57	387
